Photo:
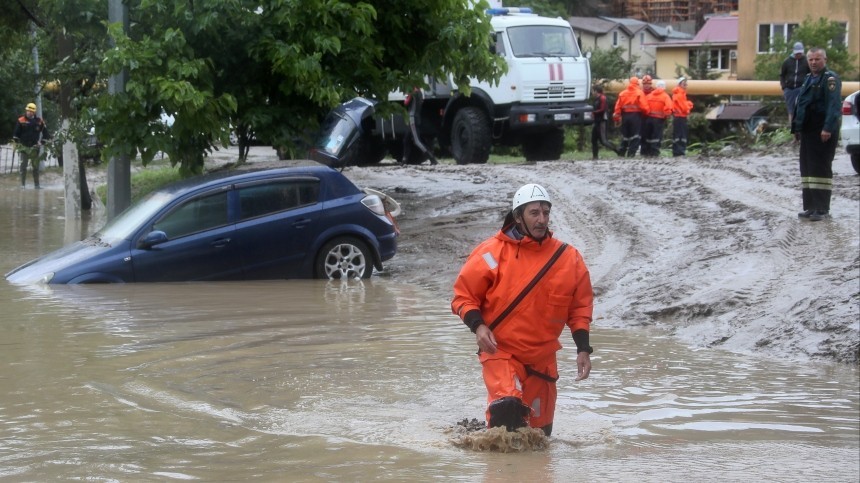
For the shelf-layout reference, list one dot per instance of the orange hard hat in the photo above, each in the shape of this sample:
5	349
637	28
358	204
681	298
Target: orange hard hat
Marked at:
634	81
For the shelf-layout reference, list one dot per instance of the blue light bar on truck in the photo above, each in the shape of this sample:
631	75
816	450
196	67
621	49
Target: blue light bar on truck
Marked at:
508	10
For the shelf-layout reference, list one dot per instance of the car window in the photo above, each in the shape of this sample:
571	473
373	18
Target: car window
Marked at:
263	199
195	215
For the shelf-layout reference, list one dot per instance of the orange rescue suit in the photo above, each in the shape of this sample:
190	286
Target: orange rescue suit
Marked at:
563	297
524	364
630	100
681	105
659	104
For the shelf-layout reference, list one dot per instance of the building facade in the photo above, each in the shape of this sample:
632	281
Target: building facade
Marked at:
762	21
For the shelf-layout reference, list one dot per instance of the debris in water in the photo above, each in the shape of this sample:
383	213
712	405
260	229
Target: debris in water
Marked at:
473	434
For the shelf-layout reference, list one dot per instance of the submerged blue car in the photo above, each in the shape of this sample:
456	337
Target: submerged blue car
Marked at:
302	221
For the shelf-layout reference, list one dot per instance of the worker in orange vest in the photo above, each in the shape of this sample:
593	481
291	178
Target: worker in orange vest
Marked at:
629	109
681	107
659	109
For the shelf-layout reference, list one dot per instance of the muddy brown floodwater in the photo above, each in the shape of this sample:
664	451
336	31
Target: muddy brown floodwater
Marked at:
720	321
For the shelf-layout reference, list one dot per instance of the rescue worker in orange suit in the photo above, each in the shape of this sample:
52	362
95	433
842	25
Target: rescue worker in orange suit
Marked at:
629	109
647	88
681	107
659	108
30	131
517	330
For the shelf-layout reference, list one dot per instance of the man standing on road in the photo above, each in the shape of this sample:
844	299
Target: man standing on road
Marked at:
29	132
598	130
817	116
629	109
791	76
516	292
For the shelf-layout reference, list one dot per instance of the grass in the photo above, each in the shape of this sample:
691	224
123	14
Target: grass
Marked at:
145	181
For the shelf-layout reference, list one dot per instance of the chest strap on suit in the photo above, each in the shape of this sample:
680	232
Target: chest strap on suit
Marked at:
528	287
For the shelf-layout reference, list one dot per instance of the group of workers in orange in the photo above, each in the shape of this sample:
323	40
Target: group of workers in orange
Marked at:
641	113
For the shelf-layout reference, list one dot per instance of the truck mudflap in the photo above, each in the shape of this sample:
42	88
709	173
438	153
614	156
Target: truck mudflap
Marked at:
524	116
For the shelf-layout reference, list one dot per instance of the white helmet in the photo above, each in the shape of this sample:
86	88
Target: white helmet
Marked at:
528	193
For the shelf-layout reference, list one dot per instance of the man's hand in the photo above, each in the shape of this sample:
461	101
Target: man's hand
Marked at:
486	340
583	365
825	136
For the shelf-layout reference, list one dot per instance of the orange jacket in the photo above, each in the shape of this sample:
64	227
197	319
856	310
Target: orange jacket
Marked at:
659	104
631	99
496	272
682	105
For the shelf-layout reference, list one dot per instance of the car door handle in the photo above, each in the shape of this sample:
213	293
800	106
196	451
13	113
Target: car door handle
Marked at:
221	242
301	223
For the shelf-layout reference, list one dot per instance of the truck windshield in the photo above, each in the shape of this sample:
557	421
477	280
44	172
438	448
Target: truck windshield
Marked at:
542	41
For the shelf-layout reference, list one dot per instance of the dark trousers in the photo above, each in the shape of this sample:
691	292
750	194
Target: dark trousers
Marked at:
816	169
680	131
653	136
631	127
26	156
598	137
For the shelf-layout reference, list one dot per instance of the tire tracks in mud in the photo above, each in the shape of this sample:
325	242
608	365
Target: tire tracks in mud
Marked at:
709	249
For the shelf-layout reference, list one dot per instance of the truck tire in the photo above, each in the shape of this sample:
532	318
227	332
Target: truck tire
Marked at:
547	146
471	138
370	152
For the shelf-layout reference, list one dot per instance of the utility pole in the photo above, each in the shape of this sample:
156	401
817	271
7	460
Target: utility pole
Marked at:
119	168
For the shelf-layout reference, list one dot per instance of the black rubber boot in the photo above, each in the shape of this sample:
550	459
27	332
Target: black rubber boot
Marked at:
509	412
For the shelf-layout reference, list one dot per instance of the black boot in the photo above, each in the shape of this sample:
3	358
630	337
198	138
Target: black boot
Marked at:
509	412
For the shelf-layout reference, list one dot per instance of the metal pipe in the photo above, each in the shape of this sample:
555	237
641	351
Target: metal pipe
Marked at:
728	87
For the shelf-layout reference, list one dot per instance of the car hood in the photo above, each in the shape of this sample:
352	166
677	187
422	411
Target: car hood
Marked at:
38	270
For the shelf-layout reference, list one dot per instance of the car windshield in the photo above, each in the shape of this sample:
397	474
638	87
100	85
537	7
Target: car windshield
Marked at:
542	41
336	132
124	225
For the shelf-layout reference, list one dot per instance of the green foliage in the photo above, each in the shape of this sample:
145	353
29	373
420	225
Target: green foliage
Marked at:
812	33
609	64
145	181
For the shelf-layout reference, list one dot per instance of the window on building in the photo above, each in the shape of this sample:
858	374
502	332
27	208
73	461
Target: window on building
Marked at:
714	59
769	33
615	38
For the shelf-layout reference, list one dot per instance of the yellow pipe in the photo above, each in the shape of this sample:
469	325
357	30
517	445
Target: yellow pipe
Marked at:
728	87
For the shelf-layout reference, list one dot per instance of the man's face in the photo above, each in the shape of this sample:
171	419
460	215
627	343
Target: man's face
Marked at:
536	218
817	62
29	114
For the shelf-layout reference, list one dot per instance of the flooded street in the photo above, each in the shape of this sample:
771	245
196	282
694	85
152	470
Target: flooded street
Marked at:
357	381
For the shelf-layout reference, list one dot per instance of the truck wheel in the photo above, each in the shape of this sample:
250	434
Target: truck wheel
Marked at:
470	136
855	160
371	152
548	146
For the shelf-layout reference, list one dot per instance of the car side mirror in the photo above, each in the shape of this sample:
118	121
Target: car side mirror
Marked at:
152	238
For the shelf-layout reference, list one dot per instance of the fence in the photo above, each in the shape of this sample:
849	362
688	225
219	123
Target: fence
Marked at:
9	160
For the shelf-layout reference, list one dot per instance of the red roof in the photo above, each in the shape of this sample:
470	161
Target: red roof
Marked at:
718	30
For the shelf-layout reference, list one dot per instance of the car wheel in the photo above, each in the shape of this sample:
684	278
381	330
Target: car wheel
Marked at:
344	258
855	161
